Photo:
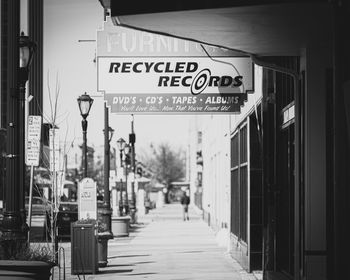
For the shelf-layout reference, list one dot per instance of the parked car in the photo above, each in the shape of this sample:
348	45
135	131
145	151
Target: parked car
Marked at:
1	216
68	209
67	214
40	206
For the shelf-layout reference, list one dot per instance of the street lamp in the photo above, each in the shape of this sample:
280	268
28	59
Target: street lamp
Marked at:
14	221
110	133
26	52
85	103
132	140
121	146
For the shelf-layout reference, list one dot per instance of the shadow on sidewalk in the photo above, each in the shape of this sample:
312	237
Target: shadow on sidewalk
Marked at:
144	273
117	265
134	230
129	256
137	227
113	271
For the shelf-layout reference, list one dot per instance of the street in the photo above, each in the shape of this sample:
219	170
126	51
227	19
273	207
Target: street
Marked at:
163	246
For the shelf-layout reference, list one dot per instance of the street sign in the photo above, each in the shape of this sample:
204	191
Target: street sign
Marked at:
33	142
54	149
87	199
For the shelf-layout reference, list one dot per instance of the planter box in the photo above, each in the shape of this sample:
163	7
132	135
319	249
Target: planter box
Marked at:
120	226
25	270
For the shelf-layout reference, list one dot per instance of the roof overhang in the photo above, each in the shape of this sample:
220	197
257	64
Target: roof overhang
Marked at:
106	4
267	30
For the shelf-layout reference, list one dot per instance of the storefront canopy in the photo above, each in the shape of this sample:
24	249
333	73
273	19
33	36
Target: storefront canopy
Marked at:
265	30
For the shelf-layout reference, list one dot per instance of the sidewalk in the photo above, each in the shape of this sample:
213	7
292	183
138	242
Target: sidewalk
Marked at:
164	247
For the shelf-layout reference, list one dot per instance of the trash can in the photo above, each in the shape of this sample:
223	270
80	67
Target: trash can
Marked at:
84	252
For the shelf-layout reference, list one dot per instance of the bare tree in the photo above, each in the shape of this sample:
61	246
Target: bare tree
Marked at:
165	163
54	119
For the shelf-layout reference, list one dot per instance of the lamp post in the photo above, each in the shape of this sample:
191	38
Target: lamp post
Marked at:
121	146
132	140
127	161
26	53
108	134
85	103
14	221
121	223
105	211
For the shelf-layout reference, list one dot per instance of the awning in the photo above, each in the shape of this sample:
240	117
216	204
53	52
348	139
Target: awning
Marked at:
267	30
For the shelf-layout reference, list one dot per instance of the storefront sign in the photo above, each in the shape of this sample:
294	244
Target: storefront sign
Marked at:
87	199
175	103
174	75
121	41
145	73
33	142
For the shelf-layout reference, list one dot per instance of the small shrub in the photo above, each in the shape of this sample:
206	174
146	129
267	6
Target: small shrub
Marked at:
101	227
86	221
22	251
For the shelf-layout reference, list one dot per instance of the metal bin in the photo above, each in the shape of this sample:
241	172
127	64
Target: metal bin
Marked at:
84	252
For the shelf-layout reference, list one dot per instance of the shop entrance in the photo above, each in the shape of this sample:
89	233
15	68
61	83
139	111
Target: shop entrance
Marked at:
285	201
281	197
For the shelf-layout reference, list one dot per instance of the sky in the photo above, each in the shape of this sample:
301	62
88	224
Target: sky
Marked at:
69	51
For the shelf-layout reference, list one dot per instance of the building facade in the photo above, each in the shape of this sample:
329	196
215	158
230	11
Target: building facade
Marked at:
230	167
287	155
18	16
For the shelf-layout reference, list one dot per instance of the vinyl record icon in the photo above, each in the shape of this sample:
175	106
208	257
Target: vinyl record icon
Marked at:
200	82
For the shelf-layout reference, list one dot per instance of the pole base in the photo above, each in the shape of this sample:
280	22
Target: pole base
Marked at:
102	263
104	217
102	252
133	216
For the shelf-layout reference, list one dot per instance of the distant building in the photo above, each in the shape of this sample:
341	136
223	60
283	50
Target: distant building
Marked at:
73	157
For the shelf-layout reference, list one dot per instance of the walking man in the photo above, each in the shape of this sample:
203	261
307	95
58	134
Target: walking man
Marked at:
185	201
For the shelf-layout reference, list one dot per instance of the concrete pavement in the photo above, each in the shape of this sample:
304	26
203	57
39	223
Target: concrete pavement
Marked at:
163	246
